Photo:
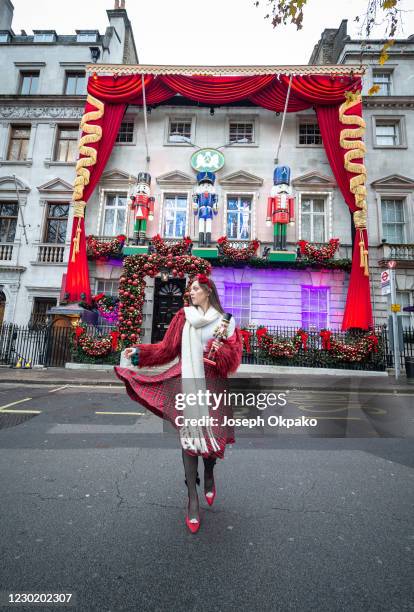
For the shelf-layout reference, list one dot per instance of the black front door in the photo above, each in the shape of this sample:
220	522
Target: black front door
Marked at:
168	299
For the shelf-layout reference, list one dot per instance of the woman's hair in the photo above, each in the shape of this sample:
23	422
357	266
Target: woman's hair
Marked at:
213	295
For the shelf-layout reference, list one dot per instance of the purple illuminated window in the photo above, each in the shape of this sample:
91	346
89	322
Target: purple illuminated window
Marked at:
315	307
237	301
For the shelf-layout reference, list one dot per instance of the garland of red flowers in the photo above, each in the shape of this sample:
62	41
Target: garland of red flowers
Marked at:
95	346
319	254
279	348
235	254
357	351
178	248
101	249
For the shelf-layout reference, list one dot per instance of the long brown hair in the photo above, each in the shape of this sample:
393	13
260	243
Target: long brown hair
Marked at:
213	295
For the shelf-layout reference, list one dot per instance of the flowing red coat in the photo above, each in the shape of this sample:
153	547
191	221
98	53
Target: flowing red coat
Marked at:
157	392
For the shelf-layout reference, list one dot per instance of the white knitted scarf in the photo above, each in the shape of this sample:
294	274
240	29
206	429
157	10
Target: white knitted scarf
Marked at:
194	437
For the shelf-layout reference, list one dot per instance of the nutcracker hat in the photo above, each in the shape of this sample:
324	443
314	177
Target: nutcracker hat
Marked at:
281	175
144	177
206	177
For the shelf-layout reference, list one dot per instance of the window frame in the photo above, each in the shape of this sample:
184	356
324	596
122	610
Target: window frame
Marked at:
328	305
302	120
398	120
48	217
113	281
239	194
58	129
254	119
165	194
184	117
406	315
229	308
107	193
18	126
327	197
128	119
74	73
9	202
22	75
390	72
405	227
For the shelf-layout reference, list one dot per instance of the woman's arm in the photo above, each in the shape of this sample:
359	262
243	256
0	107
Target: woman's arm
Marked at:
228	357
166	350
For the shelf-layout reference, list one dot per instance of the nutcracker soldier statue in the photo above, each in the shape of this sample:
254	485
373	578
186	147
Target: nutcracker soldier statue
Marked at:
280	206
143	206
205	206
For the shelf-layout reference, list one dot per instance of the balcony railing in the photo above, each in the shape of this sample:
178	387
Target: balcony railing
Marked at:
51	253
399	252
6	251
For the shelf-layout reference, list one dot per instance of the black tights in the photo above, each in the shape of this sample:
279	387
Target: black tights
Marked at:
192	479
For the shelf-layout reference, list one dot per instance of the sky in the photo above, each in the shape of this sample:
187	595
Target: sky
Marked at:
215	32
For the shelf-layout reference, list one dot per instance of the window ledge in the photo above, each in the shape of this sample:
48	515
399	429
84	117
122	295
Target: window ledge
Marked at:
178	144
125	144
247	145
49	263
403	146
8	162
49	163
309	146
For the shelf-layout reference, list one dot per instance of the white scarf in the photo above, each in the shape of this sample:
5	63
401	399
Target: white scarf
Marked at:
193	378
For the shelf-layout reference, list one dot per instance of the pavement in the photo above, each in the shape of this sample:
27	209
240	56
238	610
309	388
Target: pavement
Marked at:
344	382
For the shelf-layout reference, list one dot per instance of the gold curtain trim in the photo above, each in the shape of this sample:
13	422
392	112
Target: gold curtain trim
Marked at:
92	133
356	149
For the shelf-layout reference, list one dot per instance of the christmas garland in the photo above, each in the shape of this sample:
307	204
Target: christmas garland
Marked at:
235	254
273	348
319	254
94	346
101	249
356	351
107	306
178	248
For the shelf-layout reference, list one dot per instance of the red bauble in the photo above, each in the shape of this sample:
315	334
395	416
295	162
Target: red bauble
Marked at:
133	336
122	279
174	271
129	322
123	336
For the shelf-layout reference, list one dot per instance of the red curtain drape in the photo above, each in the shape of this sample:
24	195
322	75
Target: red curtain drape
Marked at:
324	92
358	310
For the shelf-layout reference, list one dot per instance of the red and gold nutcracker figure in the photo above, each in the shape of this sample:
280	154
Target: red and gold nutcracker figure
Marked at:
280	207
143	206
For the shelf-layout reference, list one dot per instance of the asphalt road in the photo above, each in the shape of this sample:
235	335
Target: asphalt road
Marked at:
307	519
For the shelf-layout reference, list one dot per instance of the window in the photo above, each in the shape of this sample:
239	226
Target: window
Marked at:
238	217
309	133
175	215
312	219
126	132
179	130
383	79
19	143
388	133
392	212
56	223
109	287
237	301
29	82
115	215
403	298
241	132
44	37
4	37
41	305
8	221
66	148
314	307
75	84
86	37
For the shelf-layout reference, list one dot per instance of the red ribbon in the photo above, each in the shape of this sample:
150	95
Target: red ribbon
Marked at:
260	333
114	339
79	331
374	339
325	334
303	338
246	335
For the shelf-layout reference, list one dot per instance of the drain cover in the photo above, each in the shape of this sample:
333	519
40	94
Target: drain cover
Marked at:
13	419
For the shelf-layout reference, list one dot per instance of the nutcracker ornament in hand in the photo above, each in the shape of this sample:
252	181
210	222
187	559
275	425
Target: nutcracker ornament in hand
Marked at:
205	206
280	206
143	206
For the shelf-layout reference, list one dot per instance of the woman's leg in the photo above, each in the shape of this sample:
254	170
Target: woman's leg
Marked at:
209	463
190	467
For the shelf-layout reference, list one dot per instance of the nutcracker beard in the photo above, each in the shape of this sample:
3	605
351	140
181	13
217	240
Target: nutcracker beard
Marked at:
279	236
140	229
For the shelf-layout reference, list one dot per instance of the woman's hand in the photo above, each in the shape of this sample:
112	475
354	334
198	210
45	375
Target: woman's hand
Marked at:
129	352
216	344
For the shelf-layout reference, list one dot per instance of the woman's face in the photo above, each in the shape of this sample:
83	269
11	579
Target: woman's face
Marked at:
198	295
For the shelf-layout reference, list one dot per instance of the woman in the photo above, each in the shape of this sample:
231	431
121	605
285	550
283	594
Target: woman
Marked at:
190	336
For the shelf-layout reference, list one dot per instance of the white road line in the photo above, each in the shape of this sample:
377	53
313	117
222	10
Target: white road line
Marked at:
124	413
26	399
22	411
58	389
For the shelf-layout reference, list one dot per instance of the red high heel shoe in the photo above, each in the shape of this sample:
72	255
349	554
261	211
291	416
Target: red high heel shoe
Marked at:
192	524
210	495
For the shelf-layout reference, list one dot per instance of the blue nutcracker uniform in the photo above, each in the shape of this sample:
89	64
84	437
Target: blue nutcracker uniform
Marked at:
205	206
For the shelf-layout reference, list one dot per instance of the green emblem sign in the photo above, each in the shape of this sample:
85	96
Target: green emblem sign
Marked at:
207	160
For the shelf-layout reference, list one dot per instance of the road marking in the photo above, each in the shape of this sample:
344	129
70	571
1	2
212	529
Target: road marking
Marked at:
123	413
346	418
58	389
26	399
22	411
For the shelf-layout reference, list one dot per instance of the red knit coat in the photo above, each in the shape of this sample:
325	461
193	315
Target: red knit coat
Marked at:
157	392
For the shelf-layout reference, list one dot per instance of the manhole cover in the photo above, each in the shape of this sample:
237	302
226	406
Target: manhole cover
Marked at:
13	419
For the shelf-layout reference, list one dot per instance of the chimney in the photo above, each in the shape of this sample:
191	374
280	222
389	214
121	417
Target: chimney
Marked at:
6	14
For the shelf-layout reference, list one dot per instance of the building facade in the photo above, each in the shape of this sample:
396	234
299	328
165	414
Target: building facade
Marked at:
41	101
